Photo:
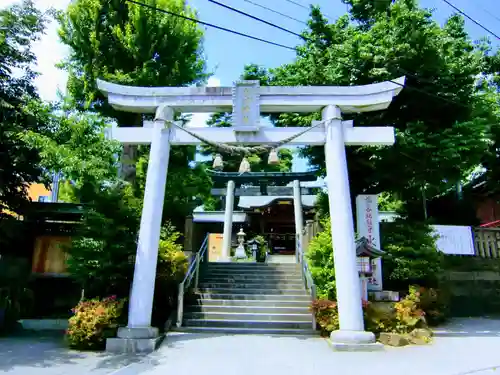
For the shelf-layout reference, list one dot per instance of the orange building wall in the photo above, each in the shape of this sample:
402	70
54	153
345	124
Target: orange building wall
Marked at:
36	191
488	210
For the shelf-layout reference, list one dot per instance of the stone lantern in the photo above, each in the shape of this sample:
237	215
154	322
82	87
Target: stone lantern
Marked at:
240	250
254	246
365	252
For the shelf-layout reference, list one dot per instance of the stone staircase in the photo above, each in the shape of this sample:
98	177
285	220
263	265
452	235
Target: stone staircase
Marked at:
255	298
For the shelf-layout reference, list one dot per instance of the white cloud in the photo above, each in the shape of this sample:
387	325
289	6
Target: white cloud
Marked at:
49	51
199	120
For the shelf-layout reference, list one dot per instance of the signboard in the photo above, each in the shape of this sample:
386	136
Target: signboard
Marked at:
215	247
368	227
49	256
246	110
454	239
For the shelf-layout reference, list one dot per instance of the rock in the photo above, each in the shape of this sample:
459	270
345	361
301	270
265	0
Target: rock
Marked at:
393	339
420	336
421	332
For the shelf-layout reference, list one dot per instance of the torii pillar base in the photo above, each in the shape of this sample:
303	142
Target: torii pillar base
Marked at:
354	341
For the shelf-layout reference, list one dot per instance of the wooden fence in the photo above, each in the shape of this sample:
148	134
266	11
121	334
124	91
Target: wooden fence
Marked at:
487	242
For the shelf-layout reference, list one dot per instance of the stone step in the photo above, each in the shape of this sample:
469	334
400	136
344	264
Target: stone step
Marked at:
262	297
214	277
245	285
245	316
249	309
251	275
264	270
249	331
251	265
250	269
275	324
249	303
258	291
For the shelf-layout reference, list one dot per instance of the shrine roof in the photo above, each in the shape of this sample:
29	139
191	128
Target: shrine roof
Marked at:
281	177
248	202
363	248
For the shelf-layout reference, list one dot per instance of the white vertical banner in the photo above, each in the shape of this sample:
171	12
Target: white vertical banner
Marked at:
368	226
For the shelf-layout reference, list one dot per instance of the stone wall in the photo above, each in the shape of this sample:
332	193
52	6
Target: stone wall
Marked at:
473	285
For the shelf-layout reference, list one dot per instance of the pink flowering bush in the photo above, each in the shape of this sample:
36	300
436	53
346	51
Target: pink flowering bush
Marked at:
93	322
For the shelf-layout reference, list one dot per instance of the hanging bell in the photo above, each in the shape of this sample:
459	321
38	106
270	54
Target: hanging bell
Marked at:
244	166
273	158
218	163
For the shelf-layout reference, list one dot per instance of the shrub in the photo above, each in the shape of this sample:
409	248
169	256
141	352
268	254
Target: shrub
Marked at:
435	304
400	317
327	315
408	314
103	251
320	258
172	266
93	322
411	255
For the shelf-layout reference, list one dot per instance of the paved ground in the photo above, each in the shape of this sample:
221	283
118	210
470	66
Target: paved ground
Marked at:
48	355
463	347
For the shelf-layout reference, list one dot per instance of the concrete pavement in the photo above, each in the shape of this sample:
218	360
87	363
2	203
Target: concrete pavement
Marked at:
466	346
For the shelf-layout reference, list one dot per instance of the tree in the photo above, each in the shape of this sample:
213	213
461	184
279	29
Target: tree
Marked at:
129	44
20	26
441	118
411	257
74	144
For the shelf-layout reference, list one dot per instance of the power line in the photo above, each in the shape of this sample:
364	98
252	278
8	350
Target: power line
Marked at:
472	19
305	7
490	14
298	4
308	39
276	12
211	25
257	19
279	45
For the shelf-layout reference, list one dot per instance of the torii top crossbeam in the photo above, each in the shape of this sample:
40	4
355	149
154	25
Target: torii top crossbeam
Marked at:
247	100
271	99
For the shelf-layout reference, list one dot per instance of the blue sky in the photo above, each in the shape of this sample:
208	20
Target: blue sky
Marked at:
227	53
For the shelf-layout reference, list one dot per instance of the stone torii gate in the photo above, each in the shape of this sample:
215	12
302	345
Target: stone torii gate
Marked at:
247	100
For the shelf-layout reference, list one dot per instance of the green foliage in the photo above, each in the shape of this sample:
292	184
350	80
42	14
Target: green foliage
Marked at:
408	314
126	43
436	305
16	299
93	322
129	44
172	262
103	251
186	185
411	255
20	26
440	137
171	269
263	247
326	314
75	145
399	317
388	202
320	258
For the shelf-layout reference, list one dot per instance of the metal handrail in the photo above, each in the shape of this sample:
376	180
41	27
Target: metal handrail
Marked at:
306	274
193	271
